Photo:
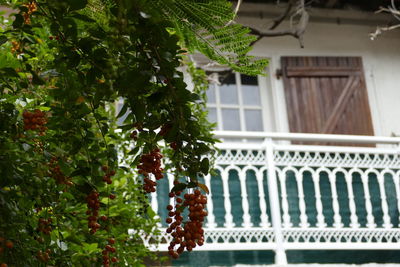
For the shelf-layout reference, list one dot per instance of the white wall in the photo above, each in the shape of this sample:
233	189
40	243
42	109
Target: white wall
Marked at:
381	60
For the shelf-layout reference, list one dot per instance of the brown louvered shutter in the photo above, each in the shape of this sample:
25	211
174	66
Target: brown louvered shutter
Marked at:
326	95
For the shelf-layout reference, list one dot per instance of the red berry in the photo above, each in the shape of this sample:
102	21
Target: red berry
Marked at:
111	241
9	244
114	259
112	196
103	218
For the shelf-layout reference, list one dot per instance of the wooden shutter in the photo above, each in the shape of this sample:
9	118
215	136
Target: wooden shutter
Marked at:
326	95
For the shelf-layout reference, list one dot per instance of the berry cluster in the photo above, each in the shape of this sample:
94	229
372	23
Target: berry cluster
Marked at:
134	135
56	173
54	37
35	121
93	204
106	253
5	244
192	234
108	175
43	256
27	15
151	164
16	47
44	226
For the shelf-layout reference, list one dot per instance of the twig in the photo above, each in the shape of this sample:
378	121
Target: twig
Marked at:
279	19
296	31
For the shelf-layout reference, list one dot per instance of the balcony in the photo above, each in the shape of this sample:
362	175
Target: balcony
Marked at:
269	194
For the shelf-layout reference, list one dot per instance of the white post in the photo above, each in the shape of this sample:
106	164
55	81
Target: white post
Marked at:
227	201
263	205
285	204
385	208
320	217
352	205
396	180
210	207
280	254
302	203
245	203
335	202
368	206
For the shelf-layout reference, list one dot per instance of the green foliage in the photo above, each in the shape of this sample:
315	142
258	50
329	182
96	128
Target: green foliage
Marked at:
205	27
68	62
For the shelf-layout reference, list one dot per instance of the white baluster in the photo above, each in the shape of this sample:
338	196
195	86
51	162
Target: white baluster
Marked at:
353	217
370	218
263	204
227	202
154	205
320	216
210	207
245	203
285	205
396	180
337	220
385	208
280	254
302	203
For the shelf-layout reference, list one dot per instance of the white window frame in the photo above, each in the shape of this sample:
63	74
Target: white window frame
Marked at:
265	106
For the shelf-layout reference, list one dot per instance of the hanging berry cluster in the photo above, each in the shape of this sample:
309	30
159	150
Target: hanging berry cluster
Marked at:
56	173
106	253
27	15
151	164
35	121
93	204
3	246
44	226
43	256
108	175
192	233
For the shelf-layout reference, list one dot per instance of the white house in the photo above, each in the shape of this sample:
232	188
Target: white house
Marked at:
310	169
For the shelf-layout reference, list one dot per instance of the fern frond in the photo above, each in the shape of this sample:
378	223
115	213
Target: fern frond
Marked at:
203	26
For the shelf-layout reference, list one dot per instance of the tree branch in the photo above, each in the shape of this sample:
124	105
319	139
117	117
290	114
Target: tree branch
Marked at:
296	31
279	19
392	10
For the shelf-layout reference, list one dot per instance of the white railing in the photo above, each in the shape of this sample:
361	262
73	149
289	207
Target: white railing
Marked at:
271	195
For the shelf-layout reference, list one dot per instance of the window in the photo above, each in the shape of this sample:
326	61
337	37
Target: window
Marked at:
235	103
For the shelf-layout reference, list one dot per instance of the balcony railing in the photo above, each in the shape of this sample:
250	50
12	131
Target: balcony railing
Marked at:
269	194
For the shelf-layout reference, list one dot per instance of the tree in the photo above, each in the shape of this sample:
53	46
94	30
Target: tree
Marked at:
72	180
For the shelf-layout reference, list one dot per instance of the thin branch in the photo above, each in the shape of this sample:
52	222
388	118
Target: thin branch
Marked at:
392	10
380	30
282	17
296	31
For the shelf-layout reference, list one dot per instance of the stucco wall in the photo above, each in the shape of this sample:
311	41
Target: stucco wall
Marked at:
381	60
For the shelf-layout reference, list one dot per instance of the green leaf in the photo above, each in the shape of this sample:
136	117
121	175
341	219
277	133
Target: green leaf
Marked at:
10	72
192	185
36	79
19	21
77	4
123	110
82	17
3	39
204	166
178	187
